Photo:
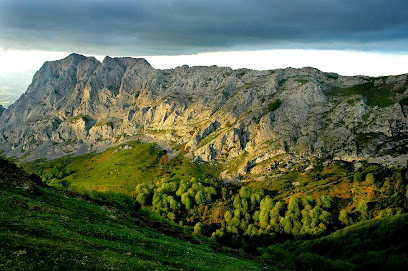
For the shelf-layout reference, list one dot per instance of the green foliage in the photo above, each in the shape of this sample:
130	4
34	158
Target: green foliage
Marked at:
281	82
370	178
198	229
350	102
380	95
406	189
121	168
248	217
272	106
362	208
57	231
332	76
233	209
344	218
55	177
379	244
242	73
358	177
325	202
228	216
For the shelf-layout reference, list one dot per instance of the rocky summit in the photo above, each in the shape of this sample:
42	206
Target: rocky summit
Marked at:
258	120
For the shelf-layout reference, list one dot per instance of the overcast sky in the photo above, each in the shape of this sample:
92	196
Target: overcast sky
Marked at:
353	30
154	27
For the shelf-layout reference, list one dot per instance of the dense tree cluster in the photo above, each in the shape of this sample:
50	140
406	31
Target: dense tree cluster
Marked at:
228	211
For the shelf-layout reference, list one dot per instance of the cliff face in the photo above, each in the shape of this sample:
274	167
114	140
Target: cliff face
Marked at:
78	104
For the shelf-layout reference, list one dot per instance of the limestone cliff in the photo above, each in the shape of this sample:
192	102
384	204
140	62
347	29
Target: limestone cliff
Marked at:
78	104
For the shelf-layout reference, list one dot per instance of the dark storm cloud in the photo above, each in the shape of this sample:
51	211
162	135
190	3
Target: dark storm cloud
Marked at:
182	27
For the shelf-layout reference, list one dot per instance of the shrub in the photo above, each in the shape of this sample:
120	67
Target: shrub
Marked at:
198	229
358	177
404	101
274	105
370	178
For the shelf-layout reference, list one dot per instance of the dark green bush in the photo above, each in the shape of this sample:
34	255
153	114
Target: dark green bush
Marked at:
274	105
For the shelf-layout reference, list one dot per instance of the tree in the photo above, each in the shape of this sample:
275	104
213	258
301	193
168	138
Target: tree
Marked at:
358	177
228	216
237	202
243	225
251	230
370	178
326	202
198	229
141	198
255	216
293	208
279	207
266	204
406	194
244	192
235	222
362	207
182	189
237	213
173	204
286	225
344	218
199	198
264	218
274	105
244	204
171	216
188	203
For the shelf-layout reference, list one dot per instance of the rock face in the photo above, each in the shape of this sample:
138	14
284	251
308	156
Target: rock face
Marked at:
78	104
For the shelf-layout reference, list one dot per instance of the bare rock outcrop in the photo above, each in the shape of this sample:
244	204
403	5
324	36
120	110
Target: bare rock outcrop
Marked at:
79	104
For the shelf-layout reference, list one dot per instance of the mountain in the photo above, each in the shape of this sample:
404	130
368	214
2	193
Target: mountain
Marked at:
261	120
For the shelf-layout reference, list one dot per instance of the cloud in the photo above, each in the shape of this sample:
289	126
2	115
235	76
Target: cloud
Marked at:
171	27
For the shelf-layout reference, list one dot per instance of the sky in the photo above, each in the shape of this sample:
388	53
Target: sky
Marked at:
350	37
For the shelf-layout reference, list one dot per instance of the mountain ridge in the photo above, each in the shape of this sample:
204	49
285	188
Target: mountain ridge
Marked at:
79	104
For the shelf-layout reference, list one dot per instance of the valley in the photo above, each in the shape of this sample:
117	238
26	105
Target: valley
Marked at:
126	167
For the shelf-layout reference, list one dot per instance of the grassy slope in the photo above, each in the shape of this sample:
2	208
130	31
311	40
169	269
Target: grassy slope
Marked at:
120	170
378	244
60	231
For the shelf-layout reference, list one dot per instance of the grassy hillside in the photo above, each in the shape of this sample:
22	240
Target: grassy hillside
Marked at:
379	244
43	229
334	200
120	168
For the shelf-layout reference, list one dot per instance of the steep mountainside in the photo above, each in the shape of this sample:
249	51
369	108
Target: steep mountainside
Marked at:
78	104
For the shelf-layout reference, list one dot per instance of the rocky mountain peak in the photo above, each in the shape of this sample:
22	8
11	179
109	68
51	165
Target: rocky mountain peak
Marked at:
79	104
